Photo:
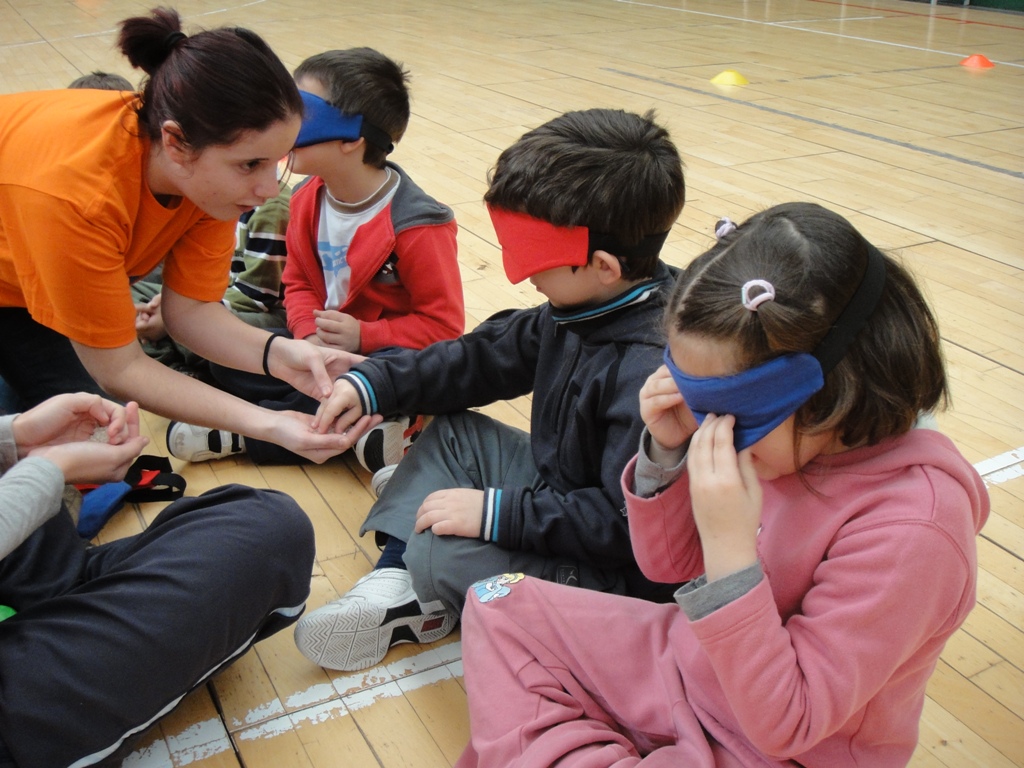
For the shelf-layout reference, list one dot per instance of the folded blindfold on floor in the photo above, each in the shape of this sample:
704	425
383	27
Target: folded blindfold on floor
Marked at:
148	479
322	122
762	397
530	245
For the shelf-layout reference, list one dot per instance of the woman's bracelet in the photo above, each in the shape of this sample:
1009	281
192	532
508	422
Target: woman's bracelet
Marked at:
266	353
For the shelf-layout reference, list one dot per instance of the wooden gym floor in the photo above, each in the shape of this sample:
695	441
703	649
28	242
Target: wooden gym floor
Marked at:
863	107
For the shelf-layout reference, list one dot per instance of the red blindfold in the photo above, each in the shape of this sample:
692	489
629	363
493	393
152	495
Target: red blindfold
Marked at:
530	245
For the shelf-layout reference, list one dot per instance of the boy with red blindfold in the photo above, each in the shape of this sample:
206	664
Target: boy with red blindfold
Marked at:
581	206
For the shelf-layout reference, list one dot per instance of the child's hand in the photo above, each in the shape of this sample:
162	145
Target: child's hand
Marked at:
60	430
665	412
74	418
149	321
726	497
338	330
452	512
93	462
339	411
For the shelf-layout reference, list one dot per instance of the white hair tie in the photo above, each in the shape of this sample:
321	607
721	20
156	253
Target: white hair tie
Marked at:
725	226
767	294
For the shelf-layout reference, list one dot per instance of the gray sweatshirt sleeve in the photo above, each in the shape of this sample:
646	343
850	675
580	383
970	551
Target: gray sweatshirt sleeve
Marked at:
30	491
698	598
650	477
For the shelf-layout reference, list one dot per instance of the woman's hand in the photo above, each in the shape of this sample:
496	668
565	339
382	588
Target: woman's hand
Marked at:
293	430
726	496
91	439
309	368
665	412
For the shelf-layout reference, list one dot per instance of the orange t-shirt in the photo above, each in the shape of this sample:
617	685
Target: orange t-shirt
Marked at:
78	222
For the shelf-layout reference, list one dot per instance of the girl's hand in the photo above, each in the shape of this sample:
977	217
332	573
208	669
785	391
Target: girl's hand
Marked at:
73	418
452	512
726	497
665	412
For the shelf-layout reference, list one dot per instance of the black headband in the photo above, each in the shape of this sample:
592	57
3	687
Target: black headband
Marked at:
650	246
855	314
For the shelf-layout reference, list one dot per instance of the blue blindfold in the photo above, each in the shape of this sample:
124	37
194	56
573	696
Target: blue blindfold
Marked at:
322	121
762	397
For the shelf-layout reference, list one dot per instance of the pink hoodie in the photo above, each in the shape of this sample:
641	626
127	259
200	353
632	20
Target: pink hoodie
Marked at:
826	660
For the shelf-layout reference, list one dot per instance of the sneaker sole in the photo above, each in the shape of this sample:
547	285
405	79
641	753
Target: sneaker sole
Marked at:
358	635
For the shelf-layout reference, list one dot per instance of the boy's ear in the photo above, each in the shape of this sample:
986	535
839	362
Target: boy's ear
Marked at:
608	267
172	141
348	147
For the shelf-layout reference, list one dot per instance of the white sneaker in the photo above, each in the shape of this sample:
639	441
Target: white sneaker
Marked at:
355	631
387	443
380	479
192	443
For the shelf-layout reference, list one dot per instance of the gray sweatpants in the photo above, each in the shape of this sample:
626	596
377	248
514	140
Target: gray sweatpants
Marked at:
469	450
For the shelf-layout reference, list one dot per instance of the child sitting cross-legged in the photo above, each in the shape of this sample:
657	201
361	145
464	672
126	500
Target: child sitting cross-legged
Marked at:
582	206
828	545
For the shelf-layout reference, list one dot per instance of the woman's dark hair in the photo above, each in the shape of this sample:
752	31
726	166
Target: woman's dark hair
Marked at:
215	84
611	171
893	369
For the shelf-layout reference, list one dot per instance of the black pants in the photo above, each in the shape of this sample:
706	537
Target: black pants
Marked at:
108	639
38	363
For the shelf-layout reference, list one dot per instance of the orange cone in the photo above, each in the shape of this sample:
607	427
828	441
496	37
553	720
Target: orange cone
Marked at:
977	61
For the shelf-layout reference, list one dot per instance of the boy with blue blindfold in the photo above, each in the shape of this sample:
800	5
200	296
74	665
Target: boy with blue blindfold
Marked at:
372	258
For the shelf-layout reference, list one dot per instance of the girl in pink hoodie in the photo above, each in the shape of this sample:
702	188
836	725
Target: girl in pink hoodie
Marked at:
827	545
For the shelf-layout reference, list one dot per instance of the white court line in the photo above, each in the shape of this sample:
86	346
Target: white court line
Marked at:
784	25
199	741
1002	461
1001	468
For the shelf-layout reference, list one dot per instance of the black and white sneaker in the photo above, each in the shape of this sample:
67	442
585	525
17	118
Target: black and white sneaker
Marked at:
191	443
387	443
381	610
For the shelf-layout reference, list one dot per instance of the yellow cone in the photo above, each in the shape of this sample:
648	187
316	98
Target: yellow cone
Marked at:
729	77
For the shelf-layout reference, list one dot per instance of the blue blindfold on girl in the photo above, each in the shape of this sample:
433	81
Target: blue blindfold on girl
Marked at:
762	397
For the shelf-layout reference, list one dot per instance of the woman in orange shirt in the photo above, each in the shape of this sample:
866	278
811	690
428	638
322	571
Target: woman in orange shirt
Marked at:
98	187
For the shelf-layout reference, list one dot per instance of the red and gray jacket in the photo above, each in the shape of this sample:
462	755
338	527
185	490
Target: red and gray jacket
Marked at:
405	289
